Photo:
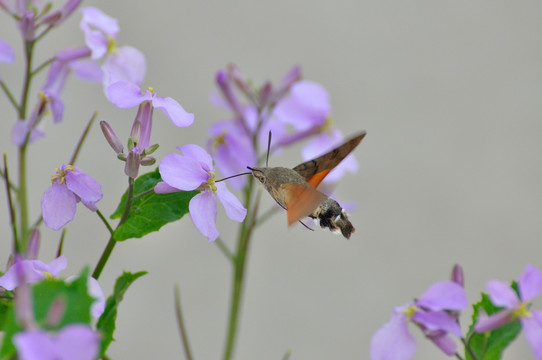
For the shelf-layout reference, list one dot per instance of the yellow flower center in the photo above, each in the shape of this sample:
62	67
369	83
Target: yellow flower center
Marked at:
111	44
211	182
522	311
48	275
219	140
150	89
60	175
327	126
410	311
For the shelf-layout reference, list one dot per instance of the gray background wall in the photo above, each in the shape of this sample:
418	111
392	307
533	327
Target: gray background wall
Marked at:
450	95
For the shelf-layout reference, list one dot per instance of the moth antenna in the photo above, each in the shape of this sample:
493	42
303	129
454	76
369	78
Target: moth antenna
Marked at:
229	177
268	148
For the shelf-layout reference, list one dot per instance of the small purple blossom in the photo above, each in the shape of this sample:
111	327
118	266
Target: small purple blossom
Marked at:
232	150
306	106
517	307
69	186
30	271
124	63
124	95
194	171
431	312
72	342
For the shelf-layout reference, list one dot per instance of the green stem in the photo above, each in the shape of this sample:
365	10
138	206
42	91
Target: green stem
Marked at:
238	272
10	96
224	248
180	322
11	207
22	189
112	242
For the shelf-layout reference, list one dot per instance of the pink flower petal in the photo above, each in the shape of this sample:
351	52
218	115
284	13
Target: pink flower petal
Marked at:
125	95
58	205
126	64
6	52
173	110
163	188
501	294
84	186
198	153
203	211
445	295
182	172
393	341
530	283
533	332
233	207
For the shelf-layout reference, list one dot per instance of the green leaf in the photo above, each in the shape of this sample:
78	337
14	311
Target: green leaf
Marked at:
151	211
73	295
490	345
106	323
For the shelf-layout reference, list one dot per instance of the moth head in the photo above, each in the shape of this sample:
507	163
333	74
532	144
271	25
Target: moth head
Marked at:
258	174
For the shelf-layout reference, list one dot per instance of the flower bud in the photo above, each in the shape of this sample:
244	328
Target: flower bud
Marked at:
457	275
111	137
148	161
33	245
132	164
56	311
151	149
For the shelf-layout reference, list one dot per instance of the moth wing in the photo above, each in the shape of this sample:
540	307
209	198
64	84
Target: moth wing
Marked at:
301	200
314	171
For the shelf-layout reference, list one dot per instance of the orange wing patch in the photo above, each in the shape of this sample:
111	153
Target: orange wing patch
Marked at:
301	200
316	179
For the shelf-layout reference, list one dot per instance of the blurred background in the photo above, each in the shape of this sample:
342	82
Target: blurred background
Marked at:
450	95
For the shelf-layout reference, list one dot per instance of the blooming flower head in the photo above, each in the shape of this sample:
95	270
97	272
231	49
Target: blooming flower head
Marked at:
194	171
72	342
69	186
125	94
121	63
6	52
29	271
517	306
432	312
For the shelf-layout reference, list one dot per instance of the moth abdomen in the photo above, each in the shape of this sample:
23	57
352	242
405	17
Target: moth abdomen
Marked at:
331	215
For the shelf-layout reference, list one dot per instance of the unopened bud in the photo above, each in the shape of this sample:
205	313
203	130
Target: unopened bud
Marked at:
111	137
458	276
56	311
132	164
33	245
148	161
151	149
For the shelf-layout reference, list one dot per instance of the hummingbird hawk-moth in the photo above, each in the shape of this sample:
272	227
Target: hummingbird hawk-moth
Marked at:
295	189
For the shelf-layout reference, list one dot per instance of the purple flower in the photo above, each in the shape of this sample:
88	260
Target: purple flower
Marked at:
232	150
72	342
138	145
122	63
124	95
30	271
99	29
194	171
517	307
306	106
6	52
70	185
431	313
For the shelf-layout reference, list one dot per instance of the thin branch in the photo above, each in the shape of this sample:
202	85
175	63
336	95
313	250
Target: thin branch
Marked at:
225	250
82	138
11	207
61	243
180	322
107	225
42	66
10	96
